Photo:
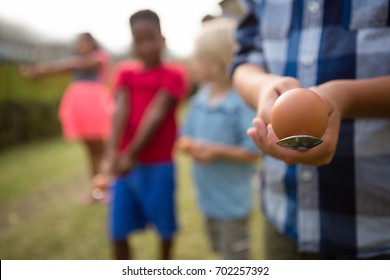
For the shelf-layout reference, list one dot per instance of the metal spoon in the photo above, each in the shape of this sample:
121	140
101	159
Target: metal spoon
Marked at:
299	142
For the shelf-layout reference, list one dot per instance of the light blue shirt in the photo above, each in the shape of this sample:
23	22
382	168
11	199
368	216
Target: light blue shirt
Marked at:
223	186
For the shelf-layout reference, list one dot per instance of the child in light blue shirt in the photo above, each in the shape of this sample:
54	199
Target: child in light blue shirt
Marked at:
214	135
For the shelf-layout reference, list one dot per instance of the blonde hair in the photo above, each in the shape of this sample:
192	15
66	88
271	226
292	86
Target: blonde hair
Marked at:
215	43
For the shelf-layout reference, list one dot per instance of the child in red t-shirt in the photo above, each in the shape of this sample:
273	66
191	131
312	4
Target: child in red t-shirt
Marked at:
139	152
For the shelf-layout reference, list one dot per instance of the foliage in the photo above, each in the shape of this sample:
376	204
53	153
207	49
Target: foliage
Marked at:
28	109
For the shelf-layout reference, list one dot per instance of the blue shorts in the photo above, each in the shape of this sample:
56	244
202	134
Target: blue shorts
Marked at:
144	197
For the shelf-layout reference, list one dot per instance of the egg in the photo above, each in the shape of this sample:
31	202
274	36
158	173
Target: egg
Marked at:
299	112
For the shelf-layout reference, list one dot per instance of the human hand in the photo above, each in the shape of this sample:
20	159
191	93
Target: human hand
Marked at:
264	137
27	71
185	144
204	152
32	71
123	165
108	163
272	87
101	181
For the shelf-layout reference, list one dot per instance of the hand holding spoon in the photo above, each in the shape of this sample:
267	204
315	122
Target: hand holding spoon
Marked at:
299	118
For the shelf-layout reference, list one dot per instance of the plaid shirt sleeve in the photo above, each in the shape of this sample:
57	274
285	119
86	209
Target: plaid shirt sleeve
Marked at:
249	42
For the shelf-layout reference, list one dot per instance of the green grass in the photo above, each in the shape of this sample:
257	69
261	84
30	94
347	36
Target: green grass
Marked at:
40	217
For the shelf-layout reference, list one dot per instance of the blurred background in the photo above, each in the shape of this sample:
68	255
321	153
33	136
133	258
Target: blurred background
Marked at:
41	175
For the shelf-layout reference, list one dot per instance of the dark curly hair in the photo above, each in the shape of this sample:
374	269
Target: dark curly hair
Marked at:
145	15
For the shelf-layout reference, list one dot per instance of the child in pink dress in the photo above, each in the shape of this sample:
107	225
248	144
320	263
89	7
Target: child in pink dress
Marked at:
86	105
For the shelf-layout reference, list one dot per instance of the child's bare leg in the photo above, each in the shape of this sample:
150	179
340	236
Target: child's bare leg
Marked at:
166	249
121	250
95	149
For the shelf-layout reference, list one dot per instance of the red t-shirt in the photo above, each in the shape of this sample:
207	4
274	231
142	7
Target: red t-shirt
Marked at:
142	85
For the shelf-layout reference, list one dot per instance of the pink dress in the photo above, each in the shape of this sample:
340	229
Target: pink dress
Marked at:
86	106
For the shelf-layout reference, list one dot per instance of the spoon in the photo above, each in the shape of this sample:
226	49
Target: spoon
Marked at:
299	142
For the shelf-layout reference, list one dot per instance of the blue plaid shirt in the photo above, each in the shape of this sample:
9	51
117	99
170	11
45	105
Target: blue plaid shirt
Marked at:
342	208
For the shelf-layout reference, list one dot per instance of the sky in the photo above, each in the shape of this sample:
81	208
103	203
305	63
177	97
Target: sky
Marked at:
107	20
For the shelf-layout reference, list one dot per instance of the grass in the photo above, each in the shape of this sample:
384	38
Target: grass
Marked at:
40	217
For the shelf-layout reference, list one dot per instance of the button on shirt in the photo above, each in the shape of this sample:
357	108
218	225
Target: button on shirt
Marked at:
223	186
342	208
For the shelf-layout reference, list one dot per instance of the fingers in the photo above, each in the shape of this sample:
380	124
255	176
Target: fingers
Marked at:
271	93
100	181
29	71
265	139
25	71
201	152
266	102
121	167
261	136
200	156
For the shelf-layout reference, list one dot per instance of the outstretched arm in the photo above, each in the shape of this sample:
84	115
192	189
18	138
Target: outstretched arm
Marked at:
368	98
260	89
60	66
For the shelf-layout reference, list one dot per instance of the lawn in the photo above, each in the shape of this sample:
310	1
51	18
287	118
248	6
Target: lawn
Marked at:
40	217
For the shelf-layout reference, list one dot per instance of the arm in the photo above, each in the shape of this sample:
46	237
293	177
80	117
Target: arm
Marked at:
207	152
60	66
156	112
108	164
256	87
247	79
235	153
345	99
242	151
260	89
119	119
369	98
